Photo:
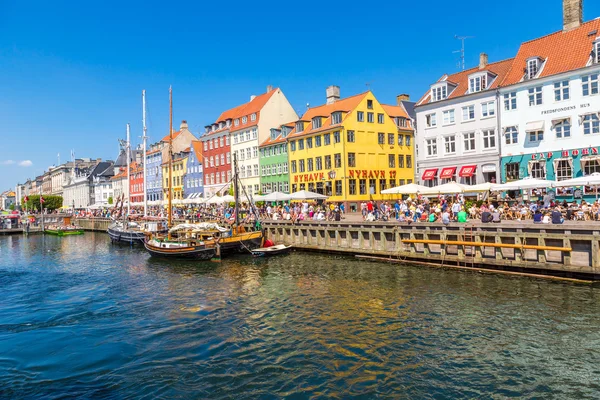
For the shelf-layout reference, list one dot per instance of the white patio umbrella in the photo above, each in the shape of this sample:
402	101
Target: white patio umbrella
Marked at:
446	188
482	187
306	195
258	197
276	196
526	183
589	180
411	188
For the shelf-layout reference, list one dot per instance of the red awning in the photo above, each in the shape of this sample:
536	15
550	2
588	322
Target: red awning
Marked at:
467	171
448	173
429	174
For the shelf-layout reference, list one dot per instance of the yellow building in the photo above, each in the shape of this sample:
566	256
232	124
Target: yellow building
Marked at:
179	169
351	149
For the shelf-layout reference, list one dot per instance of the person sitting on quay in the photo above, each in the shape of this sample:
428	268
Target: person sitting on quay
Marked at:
486	216
557	217
537	217
461	216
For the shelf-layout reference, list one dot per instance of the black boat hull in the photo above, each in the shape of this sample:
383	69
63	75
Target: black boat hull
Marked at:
130	237
196	253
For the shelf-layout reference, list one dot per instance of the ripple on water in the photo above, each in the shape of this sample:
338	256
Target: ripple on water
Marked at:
84	319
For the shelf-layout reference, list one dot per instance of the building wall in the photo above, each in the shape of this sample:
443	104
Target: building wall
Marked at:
275	112
486	159
371	168
216	145
154	174
274	172
136	185
194	177
179	168
103	190
244	145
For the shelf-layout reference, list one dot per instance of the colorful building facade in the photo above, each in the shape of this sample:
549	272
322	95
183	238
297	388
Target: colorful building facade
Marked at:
136	183
194	177
350	149
179	168
273	161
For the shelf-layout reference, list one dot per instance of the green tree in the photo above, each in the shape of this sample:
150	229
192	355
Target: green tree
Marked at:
50	202
110	200
11	207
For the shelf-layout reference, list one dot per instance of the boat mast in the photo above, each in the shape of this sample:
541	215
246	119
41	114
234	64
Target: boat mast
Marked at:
236	190
144	138
128	152
170	222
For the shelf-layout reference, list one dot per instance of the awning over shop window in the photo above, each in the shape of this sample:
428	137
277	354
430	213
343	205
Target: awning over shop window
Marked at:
534	126
559	121
585	160
467	171
448	173
488	168
429	174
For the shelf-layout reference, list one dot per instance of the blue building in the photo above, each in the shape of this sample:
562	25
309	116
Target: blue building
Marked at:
193	181
154	172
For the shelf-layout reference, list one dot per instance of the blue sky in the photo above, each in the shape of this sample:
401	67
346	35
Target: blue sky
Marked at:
71	73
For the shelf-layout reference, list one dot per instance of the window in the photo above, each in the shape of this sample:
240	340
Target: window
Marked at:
489	138
360	116
488	109
370	104
350	136
563	169
254	152
400	140
301	165
205	146
590	166
352	160
248	153
591	124
337	158
596	52
310	165
255	170
293	145
336	118
316	122
391	161
535	96
221	141
590	84
253	117
352	186
382	185
512	171
300	144
400	160
236	122
319	163
468	113
309	143
363	186
285	168
370	117
448	117
380	118
561	90
212	161
511	135
431	147
450	144
407	140
336	137
430	120
477	83
439	93
327	162
532	68
327	139
536	136
563	129
244	120
318	141
338	188
299	126
538	169
294	167
381	138
510	101
469	139
210	144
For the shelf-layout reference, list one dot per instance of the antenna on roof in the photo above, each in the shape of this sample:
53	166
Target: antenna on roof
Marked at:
461	63
368	85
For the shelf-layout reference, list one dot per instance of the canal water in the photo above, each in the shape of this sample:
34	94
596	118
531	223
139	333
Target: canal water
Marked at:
81	318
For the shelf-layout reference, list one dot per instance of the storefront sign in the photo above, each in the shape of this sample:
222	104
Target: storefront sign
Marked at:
561	109
567	153
317	176
370	174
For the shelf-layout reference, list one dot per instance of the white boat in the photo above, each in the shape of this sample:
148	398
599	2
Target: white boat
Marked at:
271	250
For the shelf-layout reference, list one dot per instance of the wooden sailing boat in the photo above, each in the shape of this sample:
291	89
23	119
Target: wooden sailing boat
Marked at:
204	240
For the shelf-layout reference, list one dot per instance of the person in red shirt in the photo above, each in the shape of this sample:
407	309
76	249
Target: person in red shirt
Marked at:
370	206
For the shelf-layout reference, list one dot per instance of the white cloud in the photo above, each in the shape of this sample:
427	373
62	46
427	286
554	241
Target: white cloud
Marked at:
25	163
7	162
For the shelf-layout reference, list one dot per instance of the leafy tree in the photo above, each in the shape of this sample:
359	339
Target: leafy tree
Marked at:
50	202
110	200
11	207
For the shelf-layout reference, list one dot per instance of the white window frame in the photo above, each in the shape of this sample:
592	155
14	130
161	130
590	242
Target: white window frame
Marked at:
469	141
253	117
468	113
488	136
511	135
448	117
477	83
450	144
510	101
431	120
561	166
244	120
533	67
589	84
535	96
439	92
561	90
538	169
591	123
431	146
535	136
488	109
563	127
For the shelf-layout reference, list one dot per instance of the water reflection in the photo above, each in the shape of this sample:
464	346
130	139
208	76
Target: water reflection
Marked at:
82	317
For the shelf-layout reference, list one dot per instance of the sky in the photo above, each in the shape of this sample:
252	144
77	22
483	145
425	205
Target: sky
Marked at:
72	72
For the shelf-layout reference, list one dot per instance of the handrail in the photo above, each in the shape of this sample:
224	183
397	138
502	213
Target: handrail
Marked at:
486	244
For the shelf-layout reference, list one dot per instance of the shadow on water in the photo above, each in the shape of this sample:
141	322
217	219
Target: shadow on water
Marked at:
80	317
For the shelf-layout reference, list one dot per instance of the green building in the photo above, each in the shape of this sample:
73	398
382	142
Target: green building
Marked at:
273	161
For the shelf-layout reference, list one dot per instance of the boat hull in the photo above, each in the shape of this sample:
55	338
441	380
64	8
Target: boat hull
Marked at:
58	232
271	251
240	243
117	235
193	252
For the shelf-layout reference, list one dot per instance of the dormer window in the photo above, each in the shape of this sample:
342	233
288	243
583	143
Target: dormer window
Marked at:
274	134
439	92
336	118
596	52
244	120
236	122
299	126
221	125
285	131
532	68
214	127
253	117
316	122
228	123
477	83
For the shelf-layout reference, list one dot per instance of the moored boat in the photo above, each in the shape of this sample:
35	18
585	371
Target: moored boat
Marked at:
271	250
63	230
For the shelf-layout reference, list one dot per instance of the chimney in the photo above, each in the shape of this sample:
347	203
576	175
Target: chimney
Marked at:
483	60
252	97
183	125
269	88
333	94
572	14
402	97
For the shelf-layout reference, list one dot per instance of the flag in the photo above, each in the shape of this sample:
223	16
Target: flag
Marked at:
42	200
26	199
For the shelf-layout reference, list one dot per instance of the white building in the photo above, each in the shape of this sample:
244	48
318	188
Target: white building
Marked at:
550	112
457	126
76	193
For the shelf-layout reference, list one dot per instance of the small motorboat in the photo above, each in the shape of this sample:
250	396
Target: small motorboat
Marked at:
271	250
